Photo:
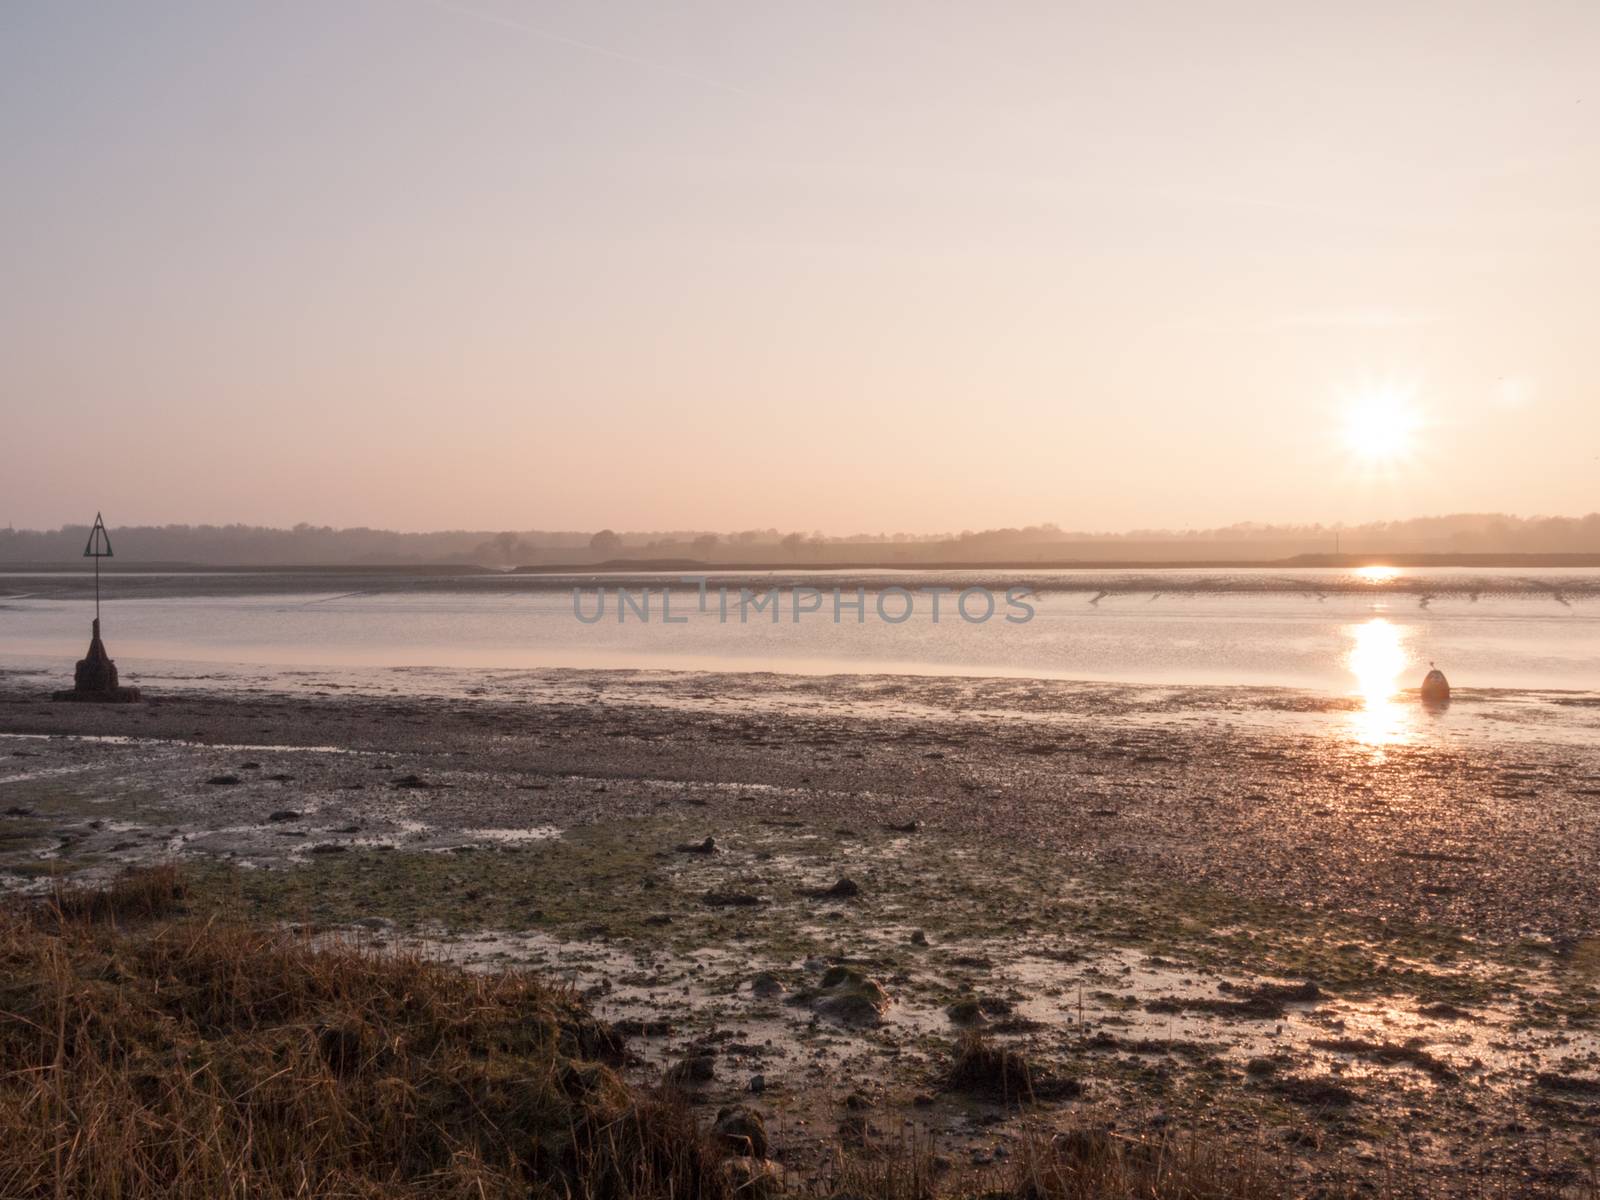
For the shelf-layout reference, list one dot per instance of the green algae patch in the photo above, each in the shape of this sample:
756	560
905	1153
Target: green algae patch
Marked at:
599	879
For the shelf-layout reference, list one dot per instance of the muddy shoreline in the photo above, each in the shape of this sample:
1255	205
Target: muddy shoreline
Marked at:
1495	841
1361	959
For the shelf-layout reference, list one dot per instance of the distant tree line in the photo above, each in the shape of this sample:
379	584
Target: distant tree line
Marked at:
312	545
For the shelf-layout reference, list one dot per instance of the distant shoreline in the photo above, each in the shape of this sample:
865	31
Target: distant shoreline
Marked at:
628	566
1554	576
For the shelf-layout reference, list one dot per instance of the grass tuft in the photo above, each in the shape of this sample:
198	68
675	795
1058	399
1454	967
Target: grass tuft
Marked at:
991	1072
144	1053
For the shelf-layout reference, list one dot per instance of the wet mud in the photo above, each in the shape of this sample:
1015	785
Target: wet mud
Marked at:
1164	911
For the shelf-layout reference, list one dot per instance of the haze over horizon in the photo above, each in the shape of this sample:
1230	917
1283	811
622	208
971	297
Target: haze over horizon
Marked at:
498	265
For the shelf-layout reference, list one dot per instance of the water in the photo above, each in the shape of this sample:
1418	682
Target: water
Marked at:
1367	635
1537	630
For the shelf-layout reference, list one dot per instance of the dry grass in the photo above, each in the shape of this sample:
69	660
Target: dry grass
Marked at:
1082	1164
1091	1163
136	895
143	1055
983	1069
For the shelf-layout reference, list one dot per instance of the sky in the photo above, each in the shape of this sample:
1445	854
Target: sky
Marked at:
421	264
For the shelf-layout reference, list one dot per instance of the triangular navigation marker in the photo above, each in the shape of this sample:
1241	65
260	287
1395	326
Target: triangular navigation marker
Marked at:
99	545
95	676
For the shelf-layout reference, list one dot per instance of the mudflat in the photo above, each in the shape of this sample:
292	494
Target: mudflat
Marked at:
1207	912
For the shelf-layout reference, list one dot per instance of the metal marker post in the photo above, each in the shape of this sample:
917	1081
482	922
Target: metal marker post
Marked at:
98	547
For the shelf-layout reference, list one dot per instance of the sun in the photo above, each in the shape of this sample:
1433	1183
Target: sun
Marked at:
1381	428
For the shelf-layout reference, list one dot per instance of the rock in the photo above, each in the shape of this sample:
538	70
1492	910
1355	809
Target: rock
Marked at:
224	780
755	1178
94	678
758	1084
919	938
844	889
849	996
966	1011
730	900
709	846
742	1131
284	814
697	1068
328	848
854	1008
766	985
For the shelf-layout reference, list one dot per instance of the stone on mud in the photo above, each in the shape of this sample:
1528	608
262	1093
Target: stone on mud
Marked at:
844	889
697	1068
742	1130
966	1011
848	995
766	985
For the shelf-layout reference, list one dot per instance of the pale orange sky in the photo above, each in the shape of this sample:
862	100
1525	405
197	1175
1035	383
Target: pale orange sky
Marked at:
507	264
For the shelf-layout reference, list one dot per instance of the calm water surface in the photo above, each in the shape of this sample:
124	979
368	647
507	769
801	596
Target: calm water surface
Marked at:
1365	634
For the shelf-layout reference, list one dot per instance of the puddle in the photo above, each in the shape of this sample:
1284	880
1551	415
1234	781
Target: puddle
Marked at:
512	837
120	739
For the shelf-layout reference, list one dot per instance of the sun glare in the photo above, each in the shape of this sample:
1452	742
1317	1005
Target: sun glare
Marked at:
1380	428
1377	658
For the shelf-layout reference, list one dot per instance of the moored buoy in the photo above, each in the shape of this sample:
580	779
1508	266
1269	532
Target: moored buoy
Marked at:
1435	687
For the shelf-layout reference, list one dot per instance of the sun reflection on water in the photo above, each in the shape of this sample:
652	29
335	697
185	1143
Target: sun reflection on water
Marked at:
1377	658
